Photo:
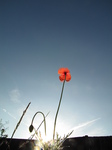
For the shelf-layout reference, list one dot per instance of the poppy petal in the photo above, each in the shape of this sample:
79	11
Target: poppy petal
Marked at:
62	77
60	71
68	77
63	70
67	70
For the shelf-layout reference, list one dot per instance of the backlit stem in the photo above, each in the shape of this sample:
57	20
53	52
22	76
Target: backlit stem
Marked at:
58	109
43	120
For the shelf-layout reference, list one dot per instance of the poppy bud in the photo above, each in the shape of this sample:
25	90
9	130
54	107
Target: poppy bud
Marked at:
31	128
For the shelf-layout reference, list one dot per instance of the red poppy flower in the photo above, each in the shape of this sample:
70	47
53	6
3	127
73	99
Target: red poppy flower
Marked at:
64	72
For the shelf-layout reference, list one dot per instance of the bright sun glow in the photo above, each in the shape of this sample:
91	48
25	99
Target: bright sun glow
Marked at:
61	129
49	130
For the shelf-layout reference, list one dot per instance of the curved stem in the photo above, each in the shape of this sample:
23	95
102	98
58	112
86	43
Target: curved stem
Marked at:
58	109
43	120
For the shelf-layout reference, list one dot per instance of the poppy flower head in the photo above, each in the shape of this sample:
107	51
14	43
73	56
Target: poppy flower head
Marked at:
64	74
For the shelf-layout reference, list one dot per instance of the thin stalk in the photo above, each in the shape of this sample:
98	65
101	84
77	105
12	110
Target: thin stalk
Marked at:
58	109
20	120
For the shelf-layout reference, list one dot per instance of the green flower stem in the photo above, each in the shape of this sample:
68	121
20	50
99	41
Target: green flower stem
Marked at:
58	109
43	120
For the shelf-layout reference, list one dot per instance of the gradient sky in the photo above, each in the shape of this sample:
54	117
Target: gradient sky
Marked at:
39	37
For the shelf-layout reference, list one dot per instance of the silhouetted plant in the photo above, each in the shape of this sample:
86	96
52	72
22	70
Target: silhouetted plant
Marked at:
3	129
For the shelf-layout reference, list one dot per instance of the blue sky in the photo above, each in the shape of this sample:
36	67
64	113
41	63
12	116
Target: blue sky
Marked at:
39	37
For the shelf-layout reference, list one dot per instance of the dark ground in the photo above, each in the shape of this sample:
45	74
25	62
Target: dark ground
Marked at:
77	143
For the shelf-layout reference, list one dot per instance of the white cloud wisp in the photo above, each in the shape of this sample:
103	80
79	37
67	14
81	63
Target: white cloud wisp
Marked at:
15	96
